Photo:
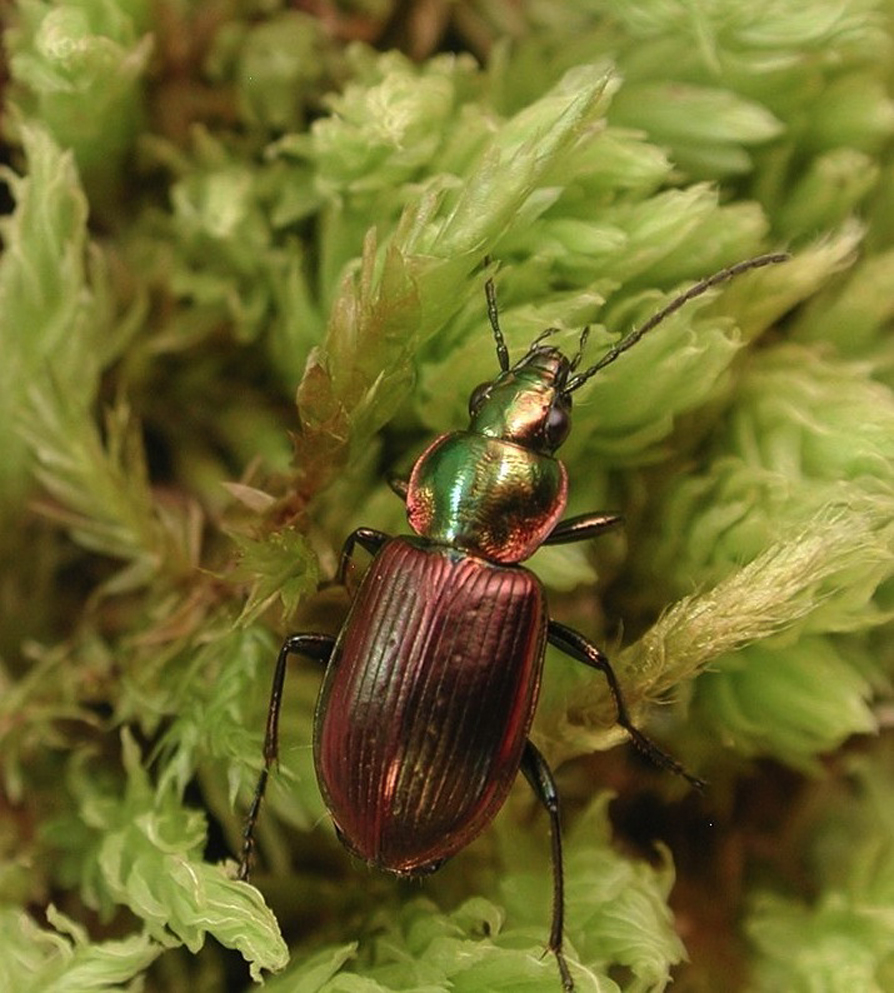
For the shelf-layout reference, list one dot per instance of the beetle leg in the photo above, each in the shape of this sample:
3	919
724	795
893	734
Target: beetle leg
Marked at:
577	646
367	538
399	486
538	774
581	527
314	646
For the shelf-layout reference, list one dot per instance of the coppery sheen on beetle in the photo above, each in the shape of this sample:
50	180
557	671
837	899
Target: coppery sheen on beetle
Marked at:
431	686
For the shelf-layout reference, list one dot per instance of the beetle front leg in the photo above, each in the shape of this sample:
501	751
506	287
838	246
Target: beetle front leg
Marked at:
538	774
578	647
582	527
367	538
314	646
400	487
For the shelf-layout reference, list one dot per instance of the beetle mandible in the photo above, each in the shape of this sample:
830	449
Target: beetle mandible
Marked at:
422	720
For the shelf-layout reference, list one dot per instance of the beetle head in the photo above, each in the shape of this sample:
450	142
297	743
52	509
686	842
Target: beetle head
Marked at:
527	404
530	403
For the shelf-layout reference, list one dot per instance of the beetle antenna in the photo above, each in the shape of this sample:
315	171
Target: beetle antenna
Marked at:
581	345
544	334
694	291
490	293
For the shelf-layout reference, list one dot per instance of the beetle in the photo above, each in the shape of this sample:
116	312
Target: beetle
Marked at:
430	688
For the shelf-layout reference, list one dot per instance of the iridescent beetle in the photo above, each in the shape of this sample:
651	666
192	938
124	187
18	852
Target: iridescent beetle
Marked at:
430	688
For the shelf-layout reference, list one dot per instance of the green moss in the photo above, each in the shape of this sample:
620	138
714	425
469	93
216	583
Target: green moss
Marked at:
241	283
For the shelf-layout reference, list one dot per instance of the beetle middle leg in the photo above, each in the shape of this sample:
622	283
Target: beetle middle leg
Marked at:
315	646
538	774
578	647
367	538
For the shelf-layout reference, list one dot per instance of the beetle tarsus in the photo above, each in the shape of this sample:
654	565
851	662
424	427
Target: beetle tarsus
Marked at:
248	840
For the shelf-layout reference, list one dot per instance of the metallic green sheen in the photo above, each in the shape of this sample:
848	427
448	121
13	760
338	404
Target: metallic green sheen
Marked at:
486	495
519	401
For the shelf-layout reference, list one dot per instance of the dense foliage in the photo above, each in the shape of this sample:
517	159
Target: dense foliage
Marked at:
218	208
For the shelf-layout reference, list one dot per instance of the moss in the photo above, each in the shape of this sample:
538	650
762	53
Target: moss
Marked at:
242	283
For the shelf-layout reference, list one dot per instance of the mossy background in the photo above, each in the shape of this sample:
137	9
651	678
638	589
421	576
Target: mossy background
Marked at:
241	284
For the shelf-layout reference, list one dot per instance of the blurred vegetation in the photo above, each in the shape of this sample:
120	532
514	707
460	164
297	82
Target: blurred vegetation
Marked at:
241	284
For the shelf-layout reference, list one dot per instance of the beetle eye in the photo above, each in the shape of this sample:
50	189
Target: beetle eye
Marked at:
558	422
479	395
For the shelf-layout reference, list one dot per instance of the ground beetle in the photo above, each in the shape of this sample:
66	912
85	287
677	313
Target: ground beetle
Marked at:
430	688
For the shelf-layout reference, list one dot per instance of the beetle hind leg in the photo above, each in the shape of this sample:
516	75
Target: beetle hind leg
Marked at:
538	774
578	647
314	646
